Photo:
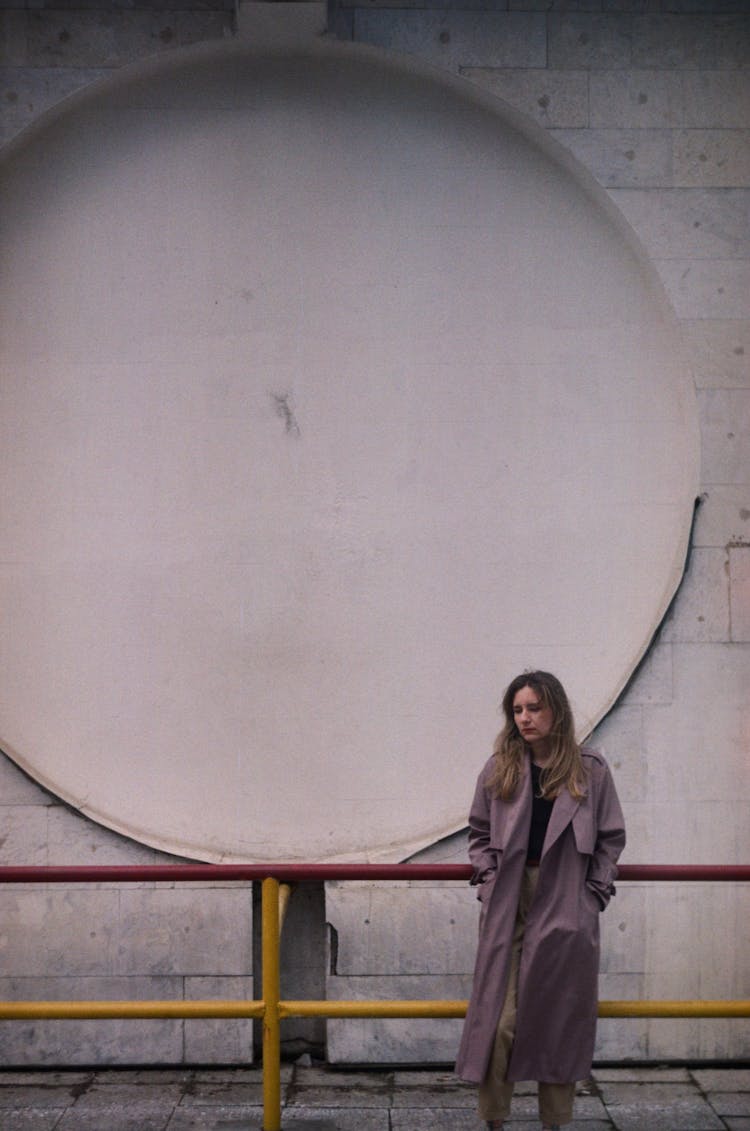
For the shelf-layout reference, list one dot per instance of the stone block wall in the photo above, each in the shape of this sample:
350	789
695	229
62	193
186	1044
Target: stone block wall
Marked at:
48	51
653	98
113	942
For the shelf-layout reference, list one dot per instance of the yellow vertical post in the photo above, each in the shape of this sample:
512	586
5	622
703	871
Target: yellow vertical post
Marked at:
271	995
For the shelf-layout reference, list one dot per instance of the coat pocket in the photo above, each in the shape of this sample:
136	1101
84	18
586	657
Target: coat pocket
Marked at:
483	889
593	898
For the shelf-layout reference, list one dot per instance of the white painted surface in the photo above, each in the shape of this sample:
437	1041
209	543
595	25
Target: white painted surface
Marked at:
718	350
331	398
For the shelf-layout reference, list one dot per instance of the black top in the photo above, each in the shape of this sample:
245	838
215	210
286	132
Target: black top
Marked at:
541	809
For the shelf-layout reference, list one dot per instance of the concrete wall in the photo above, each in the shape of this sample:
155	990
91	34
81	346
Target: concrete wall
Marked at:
656	104
654	101
131	941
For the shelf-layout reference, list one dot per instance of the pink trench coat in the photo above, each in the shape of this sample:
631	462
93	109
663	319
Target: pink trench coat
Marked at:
557	988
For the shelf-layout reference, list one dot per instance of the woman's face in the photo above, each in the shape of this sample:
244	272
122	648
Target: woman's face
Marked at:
533	718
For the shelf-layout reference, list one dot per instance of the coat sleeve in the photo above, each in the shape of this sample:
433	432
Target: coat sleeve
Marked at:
482	858
610	840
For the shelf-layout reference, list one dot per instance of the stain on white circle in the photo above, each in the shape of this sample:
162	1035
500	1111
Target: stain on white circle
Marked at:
331	399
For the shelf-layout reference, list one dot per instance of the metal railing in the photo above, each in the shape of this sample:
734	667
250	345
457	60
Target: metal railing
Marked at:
270	1007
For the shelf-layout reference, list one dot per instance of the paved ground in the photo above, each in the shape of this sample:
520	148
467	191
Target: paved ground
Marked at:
321	1099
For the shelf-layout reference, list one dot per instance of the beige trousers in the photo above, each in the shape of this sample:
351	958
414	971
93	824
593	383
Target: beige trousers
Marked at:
495	1092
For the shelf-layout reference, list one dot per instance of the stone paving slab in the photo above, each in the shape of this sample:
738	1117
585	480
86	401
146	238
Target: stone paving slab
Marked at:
730	1103
36	1096
722	1079
576	1125
687	1113
641	1075
48	1079
405	1081
524	1109
334	1119
180	1076
328	1078
113	1120
338	1098
200	1093
317	1098
433	1119
229	1118
426	1097
144	1097
634	1092
29	1119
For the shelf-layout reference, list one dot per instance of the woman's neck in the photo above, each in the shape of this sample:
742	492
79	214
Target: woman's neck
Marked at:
540	756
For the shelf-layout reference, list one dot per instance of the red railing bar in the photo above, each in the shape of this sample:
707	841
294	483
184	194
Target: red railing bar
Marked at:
300	873
285	873
684	872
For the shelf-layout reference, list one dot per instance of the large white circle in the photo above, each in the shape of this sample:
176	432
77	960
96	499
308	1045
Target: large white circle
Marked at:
330	399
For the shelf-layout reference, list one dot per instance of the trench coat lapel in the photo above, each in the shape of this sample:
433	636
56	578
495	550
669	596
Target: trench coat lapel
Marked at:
515	826
562	814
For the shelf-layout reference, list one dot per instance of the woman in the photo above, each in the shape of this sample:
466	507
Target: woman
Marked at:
545	832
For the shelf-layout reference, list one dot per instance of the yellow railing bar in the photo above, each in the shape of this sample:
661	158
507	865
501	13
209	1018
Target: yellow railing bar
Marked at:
707	1008
95	1010
121	1010
328	1008
436	1008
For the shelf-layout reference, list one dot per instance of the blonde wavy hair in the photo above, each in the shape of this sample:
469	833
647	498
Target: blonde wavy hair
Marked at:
564	770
